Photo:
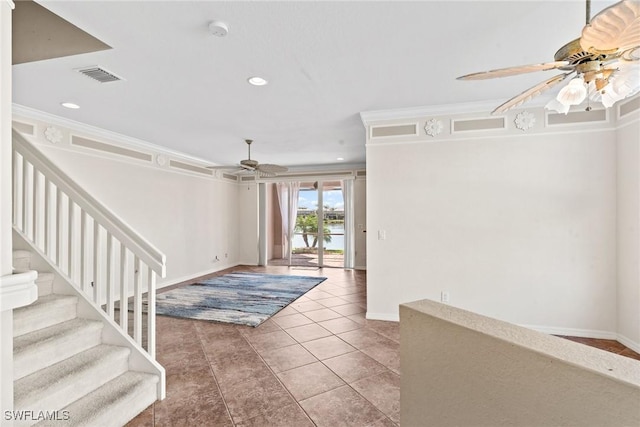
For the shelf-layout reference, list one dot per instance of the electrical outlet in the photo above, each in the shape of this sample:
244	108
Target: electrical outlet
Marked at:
444	297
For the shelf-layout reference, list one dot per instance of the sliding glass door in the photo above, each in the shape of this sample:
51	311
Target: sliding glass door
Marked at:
317	223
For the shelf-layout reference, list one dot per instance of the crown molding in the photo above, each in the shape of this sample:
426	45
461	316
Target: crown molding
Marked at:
12	5
481	107
33	114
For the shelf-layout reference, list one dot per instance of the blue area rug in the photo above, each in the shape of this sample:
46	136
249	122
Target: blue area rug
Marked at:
241	298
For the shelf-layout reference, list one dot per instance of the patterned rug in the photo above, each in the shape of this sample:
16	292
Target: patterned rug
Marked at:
241	298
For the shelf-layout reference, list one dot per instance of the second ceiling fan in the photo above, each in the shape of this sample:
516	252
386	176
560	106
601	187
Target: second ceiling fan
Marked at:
605	60
251	165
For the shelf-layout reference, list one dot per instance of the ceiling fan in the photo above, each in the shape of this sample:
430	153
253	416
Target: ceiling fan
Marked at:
250	165
605	60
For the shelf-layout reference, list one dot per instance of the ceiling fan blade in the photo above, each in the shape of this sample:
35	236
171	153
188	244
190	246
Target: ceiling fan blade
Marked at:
616	28
512	71
531	93
269	168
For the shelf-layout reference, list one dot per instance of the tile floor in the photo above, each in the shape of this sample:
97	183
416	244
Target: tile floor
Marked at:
317	362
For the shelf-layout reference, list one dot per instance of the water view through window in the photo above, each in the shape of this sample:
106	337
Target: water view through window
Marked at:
310	240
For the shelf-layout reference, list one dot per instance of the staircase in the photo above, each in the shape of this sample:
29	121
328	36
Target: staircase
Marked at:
78	360
64	371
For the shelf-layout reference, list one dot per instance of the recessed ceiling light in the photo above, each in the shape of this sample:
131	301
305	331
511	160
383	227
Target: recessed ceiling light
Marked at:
340	159
257	81
70	105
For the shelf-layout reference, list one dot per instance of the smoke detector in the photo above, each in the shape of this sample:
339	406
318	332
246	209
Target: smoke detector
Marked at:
218	28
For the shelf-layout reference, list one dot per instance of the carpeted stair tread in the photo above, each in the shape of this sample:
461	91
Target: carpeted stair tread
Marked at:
114	404
60	384
44	312
44	347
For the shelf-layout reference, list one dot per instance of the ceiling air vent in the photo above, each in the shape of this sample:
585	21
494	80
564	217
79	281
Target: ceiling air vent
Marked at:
99	74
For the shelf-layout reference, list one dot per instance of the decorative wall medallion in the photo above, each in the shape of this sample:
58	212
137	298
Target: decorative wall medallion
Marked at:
433	127
53	134
161	160
525	120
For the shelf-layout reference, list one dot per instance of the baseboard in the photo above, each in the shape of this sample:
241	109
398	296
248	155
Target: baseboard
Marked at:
194	276
628	343
383	316
583	333
360	267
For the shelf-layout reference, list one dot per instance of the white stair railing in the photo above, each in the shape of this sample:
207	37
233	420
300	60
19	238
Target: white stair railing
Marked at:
99	254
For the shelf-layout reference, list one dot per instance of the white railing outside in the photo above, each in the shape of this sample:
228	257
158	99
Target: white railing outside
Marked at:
99	254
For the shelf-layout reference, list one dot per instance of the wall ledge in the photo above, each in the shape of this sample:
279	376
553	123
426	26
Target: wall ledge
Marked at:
606	364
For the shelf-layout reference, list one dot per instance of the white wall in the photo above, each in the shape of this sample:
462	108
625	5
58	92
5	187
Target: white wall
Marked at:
247	215
190	219
628	180
6	317
521	228
360	221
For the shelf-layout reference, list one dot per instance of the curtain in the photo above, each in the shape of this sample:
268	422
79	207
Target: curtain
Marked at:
282	188
294	190
288	203
349	242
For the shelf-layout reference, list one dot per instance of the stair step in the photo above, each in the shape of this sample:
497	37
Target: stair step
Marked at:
45	283
44	312
58	385
115	403
21	260
44	347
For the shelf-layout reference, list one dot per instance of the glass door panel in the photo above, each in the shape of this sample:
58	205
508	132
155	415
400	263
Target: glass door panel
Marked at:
304	243
333	230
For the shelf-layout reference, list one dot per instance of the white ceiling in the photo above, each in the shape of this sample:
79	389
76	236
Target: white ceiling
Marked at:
326	62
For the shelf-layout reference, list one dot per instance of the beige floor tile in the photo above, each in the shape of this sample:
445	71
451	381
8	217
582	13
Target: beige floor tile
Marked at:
309	380
271	340
254	398
290	415
363	337
292	320
383	391
328	347
322	314
354	366
308	305
340	325
308	332
348	309
285	358
341	407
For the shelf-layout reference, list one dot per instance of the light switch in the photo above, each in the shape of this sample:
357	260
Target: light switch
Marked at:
382	234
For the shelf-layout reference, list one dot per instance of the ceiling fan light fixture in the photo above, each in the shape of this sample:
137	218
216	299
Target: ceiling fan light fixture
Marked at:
556	106
573	93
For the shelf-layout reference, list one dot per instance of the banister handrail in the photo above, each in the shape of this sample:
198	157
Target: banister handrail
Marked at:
137	244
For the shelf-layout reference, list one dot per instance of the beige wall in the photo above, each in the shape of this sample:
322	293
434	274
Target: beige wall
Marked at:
463	369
